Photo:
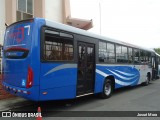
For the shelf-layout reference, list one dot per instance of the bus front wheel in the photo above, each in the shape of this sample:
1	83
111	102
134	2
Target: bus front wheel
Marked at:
107	89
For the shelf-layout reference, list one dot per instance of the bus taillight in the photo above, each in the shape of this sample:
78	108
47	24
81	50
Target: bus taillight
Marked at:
30	78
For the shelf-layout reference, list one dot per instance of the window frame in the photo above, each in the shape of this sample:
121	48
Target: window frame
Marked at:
114	52
143	57
138	56
129	54
122	53
149	56
26	11
106	42
42	43
101	50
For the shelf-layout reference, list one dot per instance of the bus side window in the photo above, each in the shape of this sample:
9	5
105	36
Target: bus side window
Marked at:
136	56
148	57
106	52
111	53
142	56
130	55
121	54
102	52
58	48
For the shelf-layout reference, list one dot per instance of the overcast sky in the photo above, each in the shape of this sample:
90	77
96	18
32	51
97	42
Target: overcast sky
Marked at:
133	21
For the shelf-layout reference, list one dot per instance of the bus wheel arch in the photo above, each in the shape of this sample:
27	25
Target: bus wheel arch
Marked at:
108	87
148	78
111	77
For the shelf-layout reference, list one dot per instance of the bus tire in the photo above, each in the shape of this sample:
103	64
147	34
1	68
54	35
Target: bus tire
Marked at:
107	89
147	80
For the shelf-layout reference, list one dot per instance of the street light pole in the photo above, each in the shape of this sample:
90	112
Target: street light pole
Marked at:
100	18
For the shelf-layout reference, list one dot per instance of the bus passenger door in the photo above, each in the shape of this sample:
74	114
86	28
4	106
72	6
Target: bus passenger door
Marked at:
86	68
153	68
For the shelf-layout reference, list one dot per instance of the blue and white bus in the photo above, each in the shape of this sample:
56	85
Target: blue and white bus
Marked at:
45	60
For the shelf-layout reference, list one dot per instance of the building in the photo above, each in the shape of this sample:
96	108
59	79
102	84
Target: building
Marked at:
2	20
57	10
2	28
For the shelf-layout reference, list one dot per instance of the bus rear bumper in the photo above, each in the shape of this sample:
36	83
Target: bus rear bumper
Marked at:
30	94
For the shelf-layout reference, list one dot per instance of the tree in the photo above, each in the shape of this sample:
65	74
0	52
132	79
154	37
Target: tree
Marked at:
157	50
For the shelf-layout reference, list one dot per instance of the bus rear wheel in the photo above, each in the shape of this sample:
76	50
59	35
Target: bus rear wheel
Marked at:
107	89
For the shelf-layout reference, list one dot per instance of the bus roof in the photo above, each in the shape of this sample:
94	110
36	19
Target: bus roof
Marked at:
86	33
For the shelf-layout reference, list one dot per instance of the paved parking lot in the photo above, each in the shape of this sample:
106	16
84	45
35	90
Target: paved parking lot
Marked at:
139	98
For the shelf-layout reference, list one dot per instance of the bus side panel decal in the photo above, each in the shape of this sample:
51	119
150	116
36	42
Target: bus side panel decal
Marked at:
130	77
64	66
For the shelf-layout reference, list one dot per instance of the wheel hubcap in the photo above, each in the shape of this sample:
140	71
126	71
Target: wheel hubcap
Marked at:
107	89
